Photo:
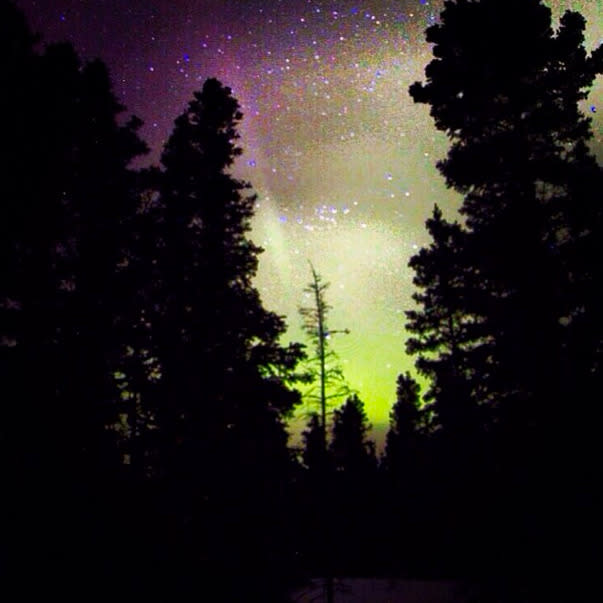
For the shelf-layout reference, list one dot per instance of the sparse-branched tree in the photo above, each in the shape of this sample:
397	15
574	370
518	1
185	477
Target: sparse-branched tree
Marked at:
323	366
325	370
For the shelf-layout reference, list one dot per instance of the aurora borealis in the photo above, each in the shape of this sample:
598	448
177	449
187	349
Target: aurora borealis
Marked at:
342	160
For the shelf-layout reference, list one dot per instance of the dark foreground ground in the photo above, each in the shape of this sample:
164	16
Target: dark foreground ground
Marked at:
370	590
366	590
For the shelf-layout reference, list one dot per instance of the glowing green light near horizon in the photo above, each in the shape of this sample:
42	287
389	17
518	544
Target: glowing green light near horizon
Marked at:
346	178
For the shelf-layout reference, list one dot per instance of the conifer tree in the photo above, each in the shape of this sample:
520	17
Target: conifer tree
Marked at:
223	391
413	493
449	342
405	427
63	227
353	453
518	139
317	455
67	192
519	145
217	339
354	488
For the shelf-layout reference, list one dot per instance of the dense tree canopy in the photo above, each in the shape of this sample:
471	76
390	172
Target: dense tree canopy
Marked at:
518	141
67	193
524	264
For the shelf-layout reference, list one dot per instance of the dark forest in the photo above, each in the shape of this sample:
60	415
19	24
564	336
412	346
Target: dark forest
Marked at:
146	390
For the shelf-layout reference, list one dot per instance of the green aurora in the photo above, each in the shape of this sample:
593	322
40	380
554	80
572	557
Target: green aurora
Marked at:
353	182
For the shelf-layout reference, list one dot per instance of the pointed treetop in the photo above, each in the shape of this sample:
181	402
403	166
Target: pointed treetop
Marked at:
207	130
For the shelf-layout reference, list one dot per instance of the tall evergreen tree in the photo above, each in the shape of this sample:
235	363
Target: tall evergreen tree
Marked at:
63	229
67	192
450	342
215	333
223	393
519	147
511	112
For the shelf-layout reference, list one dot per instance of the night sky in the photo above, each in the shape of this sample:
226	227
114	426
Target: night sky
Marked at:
341	158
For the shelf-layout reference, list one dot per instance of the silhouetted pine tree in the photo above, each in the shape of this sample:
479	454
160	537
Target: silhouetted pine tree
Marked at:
353	453
352	492
519	144
67	192
320	487
223	392
405	429
517	137
323	366
450	343
415	496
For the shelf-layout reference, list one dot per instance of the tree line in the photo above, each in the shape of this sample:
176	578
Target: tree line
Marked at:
146	389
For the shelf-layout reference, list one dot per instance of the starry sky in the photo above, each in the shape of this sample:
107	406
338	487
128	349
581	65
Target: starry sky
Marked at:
341	158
